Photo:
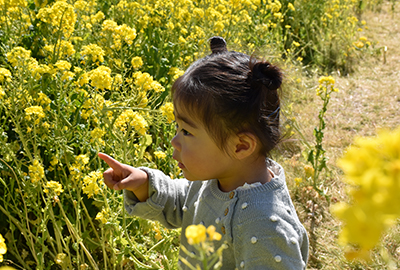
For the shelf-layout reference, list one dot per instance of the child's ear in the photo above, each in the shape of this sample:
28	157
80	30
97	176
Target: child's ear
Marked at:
245	145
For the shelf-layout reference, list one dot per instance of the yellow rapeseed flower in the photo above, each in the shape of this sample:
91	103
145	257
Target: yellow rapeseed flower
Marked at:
2	93
34	111
18	56
91	183
101	77
195	234
93	52
5	75
103	216
212	234
145	82
168	111
54	186
36	171
372	169
131	118
3	247
137	62
61	15
160	154
63	65
309	171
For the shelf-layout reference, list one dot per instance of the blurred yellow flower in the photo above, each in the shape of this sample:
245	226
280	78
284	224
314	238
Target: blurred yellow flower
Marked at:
60	258
168	111
63	65
79	164
144	81
54	186
2	93
212	234
34	111
3	247
93	52
195	234
96	135
372	169
298	181
359	44
160	154
103	216
18	56
5	75
309	171
175	72
90	185
36	171
137	62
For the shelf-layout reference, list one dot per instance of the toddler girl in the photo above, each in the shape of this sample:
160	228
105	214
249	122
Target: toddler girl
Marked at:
227	114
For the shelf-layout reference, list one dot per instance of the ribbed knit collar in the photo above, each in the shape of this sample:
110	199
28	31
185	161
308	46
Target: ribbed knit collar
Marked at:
275	183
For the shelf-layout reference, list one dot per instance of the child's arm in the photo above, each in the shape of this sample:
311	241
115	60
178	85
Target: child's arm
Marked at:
122	176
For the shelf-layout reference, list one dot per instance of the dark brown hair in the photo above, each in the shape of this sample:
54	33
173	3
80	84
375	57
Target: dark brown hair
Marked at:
231	92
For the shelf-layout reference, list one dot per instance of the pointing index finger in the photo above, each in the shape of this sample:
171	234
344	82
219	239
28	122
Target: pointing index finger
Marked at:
110	161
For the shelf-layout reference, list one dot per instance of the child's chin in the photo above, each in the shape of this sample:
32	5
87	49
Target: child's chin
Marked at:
190	177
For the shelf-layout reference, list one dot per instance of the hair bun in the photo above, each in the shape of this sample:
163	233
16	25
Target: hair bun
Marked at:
269	75
218	45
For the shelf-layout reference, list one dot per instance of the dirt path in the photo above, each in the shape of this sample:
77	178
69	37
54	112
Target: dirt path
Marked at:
369	98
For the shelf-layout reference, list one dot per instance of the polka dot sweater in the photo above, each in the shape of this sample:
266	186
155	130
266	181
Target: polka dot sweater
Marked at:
259	224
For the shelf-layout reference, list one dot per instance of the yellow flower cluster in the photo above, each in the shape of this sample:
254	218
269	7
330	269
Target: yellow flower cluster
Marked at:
93	52
119	33
36	111
60	15
79	165
196	234
96	135
145	82
103	216
64	48
92	107
160	154
101	77
175	73
372	169
3	247
90	185
137	62
5	75
326	85
131	118
36	171
19	56
54	186
167	110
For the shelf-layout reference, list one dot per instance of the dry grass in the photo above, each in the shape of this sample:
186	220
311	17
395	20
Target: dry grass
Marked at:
369	99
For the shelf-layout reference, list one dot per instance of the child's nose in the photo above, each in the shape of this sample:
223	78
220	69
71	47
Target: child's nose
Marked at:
175	143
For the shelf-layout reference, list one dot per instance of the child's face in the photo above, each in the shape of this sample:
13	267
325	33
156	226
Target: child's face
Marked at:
198	155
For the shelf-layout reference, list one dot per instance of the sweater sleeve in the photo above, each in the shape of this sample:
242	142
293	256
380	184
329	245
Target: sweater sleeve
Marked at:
166	198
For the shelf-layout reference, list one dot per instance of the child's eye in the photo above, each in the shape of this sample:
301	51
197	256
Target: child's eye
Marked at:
185	132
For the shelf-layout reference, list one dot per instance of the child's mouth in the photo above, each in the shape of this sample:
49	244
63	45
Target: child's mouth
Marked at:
181	166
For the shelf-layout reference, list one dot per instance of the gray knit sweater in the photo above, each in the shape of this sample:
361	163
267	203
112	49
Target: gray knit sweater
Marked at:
259	224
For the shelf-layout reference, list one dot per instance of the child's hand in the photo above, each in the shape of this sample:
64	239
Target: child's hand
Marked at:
122	176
